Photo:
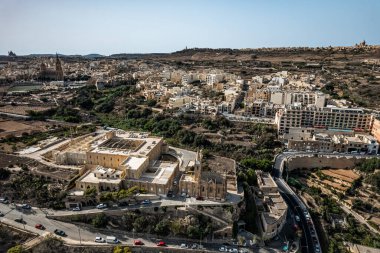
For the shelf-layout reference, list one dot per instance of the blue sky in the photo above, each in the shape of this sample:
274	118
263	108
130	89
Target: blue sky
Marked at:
143	26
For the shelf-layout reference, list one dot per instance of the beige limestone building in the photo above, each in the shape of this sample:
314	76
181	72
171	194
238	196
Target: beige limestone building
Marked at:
326	118
115	160
205	184
271	206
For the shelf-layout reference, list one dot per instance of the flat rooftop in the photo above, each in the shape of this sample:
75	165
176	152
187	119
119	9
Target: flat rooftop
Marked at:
265	180
119	143
276	208
126	143
163	172
134	163
91	178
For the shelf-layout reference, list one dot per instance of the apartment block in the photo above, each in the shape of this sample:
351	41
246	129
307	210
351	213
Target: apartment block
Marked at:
325	118
358	143
295	97
375	131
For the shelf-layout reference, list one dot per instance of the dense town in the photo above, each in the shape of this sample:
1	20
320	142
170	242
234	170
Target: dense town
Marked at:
273	150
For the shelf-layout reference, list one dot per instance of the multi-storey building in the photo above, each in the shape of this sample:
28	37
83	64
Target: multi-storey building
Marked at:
304	98
271	206
117	160
375	131
213	78
260	108
327	118
358	143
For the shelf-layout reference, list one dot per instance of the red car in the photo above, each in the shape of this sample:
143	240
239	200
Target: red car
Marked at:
161	244
39	226
138	242
199	198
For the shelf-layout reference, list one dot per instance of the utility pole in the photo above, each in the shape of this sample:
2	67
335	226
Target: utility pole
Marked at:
80	238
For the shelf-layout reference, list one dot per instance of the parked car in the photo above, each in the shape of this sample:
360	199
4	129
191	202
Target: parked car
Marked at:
184	246
146	202
233	250
297	218
223	249
101	206
4	200
112	240
39	226
1	214
20	220
100	239
26	206
76	208
161	244
138	242
170	194
59	232
199	198
317	248
194	246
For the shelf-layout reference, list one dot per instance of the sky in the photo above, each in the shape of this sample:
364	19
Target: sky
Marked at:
162	26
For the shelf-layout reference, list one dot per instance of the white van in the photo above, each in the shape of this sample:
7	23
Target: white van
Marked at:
112	240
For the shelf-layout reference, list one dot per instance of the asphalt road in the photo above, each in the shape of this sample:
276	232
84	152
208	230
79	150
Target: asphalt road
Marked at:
77	235
308	241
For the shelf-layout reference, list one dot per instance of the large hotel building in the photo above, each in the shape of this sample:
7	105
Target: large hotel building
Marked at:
326	118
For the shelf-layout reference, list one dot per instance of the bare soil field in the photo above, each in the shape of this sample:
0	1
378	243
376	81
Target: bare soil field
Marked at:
18	127
34	166
344	175
21	109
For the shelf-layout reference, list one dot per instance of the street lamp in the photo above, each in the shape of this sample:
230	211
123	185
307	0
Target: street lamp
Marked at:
200	241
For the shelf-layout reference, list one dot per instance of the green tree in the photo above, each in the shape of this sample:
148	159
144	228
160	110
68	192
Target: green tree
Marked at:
91	192
4	173
151	102
100	220
162	227
193	232
127	250
369	165
176	227
251	177
117	249
140	224
15	249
